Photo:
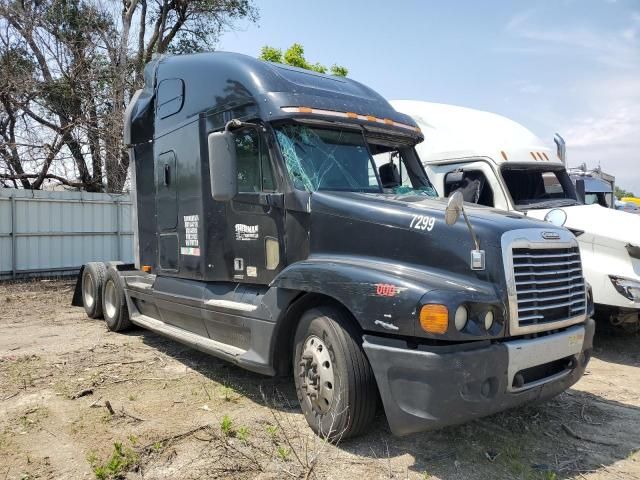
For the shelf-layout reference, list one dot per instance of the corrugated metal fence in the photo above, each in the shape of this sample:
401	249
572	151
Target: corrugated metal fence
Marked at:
55	233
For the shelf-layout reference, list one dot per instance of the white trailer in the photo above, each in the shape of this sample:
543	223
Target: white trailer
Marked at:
499	163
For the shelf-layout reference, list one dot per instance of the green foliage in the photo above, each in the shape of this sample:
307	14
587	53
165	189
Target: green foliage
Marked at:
294	56
229	395
621	193
272	430
271	54
283	453
243	434
339	71
122	459
226	427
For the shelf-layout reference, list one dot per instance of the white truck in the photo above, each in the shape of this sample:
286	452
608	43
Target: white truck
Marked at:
497	162
593	186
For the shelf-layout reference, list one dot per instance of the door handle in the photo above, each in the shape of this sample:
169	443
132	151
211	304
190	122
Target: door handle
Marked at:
274	200
166	174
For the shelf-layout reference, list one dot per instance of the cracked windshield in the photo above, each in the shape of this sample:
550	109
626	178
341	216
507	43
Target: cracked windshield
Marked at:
337	159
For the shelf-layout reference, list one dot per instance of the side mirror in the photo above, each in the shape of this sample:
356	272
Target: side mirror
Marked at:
454	208
222	165
580	190
556	217
454	177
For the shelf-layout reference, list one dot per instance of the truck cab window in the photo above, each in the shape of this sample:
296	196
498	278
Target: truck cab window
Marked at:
472	184
255	173
400	171
539	188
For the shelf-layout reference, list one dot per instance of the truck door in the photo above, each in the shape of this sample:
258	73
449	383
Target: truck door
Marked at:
167	208
479	170
256	214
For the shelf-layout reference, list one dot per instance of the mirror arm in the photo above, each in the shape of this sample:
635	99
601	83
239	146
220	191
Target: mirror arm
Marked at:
232	124
473	233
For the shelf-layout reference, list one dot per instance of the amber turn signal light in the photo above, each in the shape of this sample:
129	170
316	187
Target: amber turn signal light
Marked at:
146	268
434	318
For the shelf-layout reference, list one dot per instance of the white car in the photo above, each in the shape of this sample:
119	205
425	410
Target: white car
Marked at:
499	163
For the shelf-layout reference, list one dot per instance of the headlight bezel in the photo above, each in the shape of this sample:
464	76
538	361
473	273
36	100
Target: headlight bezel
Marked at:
474	327
627	287
633	251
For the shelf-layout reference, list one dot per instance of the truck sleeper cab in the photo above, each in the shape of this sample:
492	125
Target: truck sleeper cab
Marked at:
286	224
501	164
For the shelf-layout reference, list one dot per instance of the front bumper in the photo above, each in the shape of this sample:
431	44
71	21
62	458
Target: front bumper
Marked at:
433	387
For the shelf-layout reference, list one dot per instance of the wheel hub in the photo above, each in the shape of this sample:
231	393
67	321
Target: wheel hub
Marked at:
316	372
110	299
88	292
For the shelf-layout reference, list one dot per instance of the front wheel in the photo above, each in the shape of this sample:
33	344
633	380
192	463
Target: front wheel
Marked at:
334	382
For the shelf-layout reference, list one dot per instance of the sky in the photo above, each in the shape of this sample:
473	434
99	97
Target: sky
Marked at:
566	66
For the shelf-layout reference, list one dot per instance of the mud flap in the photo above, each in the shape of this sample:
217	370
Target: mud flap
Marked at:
76	301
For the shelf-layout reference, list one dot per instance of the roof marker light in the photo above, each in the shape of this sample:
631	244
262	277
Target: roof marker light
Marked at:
352	115
504	155
545	156
534	156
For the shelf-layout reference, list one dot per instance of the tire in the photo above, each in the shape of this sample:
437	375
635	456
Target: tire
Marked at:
114	303
346	395
93	277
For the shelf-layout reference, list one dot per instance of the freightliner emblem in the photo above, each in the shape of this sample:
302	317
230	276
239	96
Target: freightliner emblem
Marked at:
551	235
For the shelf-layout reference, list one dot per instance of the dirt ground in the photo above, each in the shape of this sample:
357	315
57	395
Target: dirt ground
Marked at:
77	401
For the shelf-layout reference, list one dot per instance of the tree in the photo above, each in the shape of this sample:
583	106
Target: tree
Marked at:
294	56
621	193
69	67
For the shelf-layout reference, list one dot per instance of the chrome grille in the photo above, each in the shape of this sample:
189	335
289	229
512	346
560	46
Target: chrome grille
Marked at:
549	284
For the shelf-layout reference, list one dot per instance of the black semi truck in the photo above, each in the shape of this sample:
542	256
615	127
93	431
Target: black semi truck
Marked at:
284	223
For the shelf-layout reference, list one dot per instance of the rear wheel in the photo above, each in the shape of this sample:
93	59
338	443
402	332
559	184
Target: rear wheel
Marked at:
114	303
92	281
334	382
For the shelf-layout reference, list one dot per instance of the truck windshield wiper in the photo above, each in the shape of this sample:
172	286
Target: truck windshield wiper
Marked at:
558	202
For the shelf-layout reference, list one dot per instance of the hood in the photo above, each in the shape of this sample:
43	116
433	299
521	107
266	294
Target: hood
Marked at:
398	211
603	226
410	231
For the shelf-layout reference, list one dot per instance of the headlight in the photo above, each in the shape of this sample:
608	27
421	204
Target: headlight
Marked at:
627	287
488	320
461	318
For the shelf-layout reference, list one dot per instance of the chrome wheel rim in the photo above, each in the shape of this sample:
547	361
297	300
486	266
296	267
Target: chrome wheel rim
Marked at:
88	291
110	298
316	373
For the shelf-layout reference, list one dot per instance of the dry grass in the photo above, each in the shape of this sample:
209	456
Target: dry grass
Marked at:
176	413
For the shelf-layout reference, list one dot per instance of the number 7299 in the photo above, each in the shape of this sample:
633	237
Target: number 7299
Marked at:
422	222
